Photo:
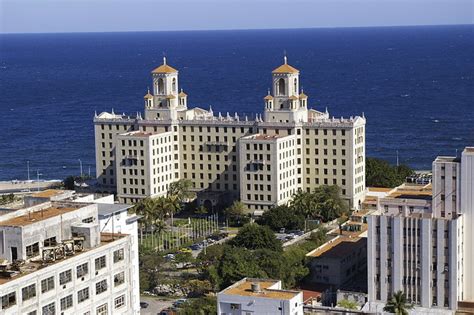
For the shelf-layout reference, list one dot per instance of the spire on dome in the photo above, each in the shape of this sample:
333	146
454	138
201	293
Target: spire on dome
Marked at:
285	59
164	60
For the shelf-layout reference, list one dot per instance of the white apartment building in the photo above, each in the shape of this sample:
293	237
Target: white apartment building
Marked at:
259	296
138	156
57	260
421	241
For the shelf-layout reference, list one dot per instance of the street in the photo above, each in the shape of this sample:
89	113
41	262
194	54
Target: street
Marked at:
155	305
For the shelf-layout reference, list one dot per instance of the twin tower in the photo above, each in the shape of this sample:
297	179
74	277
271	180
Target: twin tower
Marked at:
286	103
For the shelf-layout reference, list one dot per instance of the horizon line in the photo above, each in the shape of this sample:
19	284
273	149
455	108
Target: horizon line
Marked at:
239	29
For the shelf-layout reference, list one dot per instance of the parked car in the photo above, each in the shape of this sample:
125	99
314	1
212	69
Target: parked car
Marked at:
143	304
282	230
185	250
169	257
179	302
296	232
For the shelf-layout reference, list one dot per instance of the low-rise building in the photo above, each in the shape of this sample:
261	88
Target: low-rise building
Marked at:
58	260
259	296
341	263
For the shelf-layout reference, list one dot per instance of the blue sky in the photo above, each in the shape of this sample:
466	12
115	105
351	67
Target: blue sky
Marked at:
27	16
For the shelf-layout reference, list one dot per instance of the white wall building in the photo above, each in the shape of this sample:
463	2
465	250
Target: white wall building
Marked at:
259	296
56	260
421	242
204	147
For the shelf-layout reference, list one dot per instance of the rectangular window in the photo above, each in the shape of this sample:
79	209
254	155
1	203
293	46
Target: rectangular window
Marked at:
65	277
47	284
82	270
100	287
66	302
118	255
100	263
50	241
82	295
119	301
49	309
28	292
119	278
8	300
102	310
32	250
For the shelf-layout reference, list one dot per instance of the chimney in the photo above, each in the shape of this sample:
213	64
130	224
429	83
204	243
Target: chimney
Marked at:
255	286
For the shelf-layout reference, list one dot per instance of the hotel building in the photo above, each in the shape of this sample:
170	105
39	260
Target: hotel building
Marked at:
420	239
263	161
60	257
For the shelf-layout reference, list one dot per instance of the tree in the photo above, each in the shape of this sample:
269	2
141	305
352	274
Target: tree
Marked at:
237	263
235	212
181	190
282	217
254	236
330	205
398	304
379	173
351	305
304	203
68	182
201	306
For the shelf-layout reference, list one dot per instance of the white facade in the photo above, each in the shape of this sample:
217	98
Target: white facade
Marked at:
423	245
58	261
259	296
204	147
467	210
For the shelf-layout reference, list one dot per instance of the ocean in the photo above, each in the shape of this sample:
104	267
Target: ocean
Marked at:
415	86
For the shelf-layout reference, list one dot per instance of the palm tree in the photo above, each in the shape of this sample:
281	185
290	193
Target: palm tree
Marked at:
398	304
142	208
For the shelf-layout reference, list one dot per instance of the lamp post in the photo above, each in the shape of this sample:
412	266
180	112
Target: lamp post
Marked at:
28	167
80	165
38	174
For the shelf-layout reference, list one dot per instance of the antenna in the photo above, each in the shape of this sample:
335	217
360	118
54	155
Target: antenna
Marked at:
398	164
285	59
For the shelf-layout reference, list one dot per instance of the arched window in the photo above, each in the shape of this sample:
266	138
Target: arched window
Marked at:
296	86
281	87
174	85
161	86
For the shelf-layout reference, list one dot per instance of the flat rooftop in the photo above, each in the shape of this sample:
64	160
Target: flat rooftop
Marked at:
337	248
139	134
39	215
380	189
244	288
37	264
412	192
266	137
48	193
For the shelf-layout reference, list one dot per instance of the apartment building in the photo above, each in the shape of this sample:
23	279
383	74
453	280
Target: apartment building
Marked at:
57	260
420	239
204	146
259	296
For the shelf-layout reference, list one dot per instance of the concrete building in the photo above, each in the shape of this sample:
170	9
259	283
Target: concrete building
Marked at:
139	156
420	241
58	260
341	263
259	296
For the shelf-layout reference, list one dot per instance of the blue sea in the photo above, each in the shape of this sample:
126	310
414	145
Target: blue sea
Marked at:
415	85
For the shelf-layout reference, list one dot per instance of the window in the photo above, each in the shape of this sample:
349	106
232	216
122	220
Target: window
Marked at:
119	301
65	277
118	255
119	278
82	295
66	302
47	284
82	270
32	250
28	292
89	219
50	241
8	300
102	310
235	306
100	263
49	309
101	287
32	313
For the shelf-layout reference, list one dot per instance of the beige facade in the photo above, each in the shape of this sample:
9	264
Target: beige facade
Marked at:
208	148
